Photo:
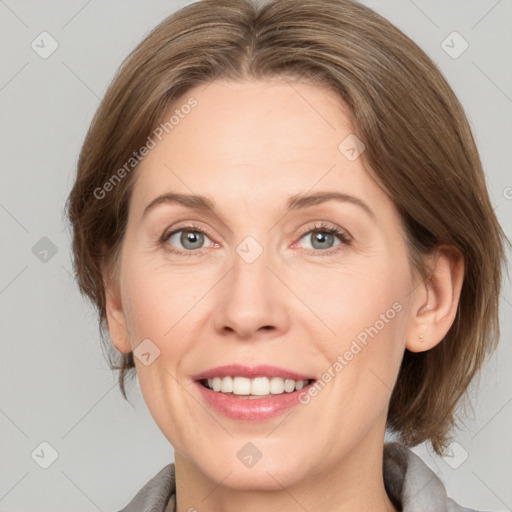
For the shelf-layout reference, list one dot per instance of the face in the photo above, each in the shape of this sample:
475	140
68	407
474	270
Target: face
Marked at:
293	273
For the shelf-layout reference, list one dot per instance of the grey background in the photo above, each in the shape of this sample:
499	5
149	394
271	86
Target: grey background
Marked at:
55	384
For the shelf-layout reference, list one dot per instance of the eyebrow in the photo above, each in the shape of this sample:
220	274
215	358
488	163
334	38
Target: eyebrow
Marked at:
295	202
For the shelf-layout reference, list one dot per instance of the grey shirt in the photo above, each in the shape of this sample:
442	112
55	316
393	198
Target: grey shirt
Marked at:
410	484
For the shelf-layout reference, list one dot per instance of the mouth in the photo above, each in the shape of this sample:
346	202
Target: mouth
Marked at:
254	393
254	388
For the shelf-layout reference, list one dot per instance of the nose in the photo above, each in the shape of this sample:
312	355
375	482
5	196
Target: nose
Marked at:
252	301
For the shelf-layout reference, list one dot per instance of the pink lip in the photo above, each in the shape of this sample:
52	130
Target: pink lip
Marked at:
253	410
262	370
250	409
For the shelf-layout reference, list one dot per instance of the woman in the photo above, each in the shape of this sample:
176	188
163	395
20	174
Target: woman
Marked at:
281	216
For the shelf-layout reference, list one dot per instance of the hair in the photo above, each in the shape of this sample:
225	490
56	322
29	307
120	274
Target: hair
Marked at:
419	146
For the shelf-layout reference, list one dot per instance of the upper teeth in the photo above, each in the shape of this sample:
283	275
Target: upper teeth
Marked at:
257	386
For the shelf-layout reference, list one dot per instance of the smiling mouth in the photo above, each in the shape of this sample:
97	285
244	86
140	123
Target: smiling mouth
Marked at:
258	387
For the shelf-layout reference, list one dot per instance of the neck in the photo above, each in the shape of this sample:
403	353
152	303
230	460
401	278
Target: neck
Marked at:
352	484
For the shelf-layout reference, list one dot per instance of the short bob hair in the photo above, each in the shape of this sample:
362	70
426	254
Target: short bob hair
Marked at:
419	148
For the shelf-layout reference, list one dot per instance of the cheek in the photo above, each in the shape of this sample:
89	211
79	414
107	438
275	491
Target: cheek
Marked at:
365	309
356	299
156	310
158	297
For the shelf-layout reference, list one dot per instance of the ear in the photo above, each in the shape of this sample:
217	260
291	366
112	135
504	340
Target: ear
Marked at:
116	320
436	300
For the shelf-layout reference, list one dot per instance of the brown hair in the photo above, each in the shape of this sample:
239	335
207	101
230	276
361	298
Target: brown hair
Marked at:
418	145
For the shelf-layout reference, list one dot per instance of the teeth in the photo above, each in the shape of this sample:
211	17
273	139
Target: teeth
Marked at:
241	386
226	385
259	386
276	385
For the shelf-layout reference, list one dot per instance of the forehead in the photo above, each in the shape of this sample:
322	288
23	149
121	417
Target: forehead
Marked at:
247	122
254	140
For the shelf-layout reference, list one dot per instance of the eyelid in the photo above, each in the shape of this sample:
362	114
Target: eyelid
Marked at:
321	227
190	226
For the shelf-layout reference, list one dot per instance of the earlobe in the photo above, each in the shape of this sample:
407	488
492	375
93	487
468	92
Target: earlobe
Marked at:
437	300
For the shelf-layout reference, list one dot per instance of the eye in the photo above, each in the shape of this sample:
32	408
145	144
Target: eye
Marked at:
189	240
323	238
186	239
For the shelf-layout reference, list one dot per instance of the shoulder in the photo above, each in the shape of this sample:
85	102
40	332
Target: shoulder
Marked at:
155	494
411	483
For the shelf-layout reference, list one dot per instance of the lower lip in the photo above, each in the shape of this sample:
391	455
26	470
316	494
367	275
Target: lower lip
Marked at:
251	409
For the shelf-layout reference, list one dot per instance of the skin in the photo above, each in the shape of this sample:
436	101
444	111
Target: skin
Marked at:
248	147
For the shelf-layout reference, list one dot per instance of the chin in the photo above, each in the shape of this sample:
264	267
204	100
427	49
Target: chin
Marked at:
271	472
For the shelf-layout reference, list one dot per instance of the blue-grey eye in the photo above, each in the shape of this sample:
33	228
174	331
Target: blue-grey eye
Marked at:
321	240
189	239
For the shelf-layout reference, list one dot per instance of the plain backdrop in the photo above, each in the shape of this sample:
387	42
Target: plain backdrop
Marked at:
59	403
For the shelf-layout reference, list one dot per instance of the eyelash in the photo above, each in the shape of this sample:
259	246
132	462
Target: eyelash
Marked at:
343	237
323	228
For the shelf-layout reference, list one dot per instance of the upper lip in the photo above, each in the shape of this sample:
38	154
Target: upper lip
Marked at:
261	370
